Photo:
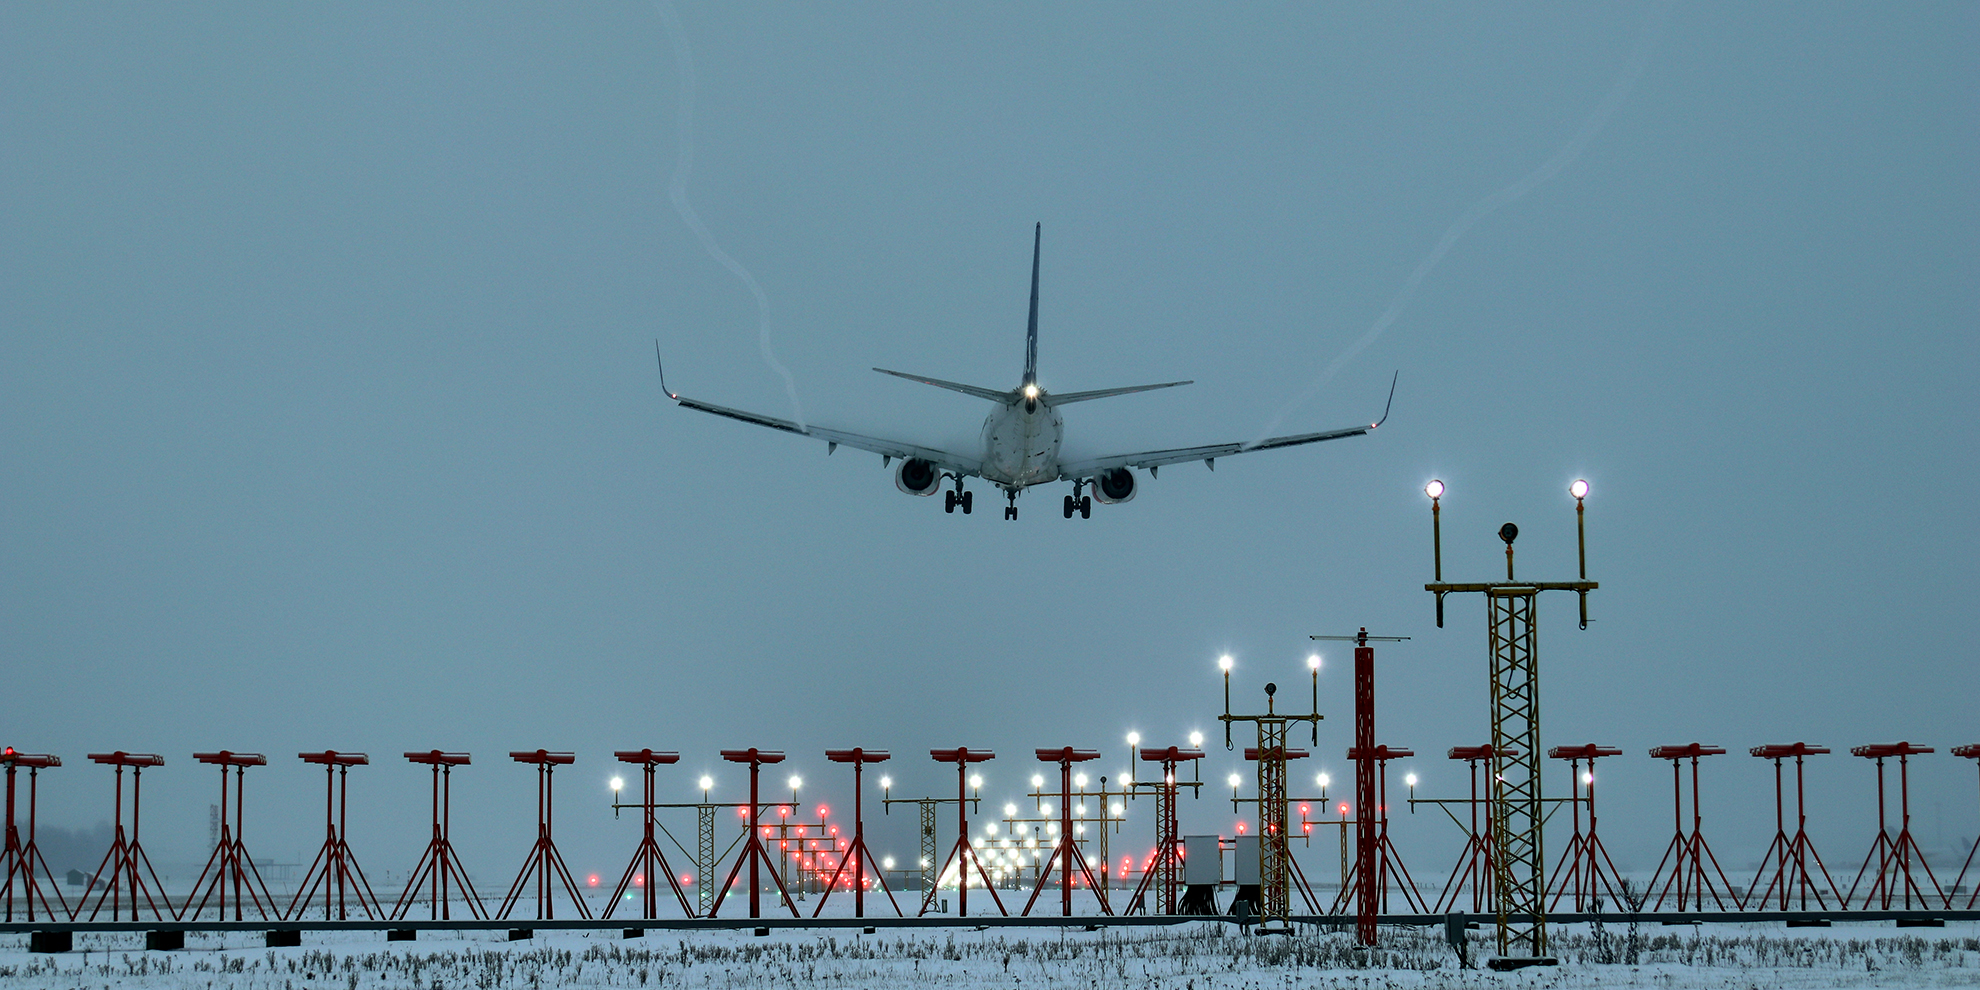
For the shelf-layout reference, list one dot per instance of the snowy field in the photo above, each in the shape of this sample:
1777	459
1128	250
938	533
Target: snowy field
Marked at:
1197	956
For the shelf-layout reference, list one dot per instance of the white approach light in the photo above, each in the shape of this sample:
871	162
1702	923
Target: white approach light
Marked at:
1587	778
1323	780
1134	738
1195	739
707	782
975	781
1579	489
796	782
1313	662
1045	808
1224	662
887	863
1037	780
886	783
1116	808
1435	489
990	828
618	784
1010	811
1410	780
1079	780
1235	780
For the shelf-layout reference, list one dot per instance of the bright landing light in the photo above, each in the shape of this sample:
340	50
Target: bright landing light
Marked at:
1313	662
707	782
1224	662
1195	739
1579	489
618	783
1031	391
1435	489
1236	780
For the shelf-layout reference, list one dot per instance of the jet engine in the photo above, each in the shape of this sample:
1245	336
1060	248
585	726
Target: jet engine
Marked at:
918	477
1114	485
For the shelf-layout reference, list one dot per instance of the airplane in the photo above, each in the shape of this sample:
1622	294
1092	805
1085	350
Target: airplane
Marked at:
1021	438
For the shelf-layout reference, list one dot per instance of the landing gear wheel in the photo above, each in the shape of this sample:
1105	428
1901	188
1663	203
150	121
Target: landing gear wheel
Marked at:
964	502
1010	512
1085	507
1069	506
948	501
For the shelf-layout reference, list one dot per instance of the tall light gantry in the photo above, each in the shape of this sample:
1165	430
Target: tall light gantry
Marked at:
1520	883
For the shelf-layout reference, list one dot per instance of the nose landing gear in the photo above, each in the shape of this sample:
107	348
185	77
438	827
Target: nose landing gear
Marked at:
1010	511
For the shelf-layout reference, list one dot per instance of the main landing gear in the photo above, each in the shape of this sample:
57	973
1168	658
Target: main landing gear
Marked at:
954	498
1010	511
1082	504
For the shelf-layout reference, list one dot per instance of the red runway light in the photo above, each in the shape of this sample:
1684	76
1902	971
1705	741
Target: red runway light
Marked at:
639	879
592	880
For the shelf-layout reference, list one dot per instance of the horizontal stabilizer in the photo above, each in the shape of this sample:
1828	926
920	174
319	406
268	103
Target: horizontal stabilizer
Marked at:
1102	393
991	394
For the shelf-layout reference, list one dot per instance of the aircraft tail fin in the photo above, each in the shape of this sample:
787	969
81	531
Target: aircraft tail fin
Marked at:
1031	331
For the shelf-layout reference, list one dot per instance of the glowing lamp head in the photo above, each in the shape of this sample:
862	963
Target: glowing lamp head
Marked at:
1323	780
1134	738
796	782
618	784
1224	663
1587	777
1235	780
1313	663
1196	739
1079	780
1579	489
1435	489
1038	780
1010	811
1031	391
1410	779
887	863
707	782
975	781
886	783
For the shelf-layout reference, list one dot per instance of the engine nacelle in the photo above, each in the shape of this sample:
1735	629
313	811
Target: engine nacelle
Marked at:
918	477
1114	486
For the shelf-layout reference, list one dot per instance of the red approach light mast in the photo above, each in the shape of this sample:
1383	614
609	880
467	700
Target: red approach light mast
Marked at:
22	858
857	852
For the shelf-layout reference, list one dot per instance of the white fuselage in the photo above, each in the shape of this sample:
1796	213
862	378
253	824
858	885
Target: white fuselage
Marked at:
1021	444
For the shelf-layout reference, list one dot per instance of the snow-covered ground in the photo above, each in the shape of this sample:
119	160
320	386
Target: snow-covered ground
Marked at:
1196	956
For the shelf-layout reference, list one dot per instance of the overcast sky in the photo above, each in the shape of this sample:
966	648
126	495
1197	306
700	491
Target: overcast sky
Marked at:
330	416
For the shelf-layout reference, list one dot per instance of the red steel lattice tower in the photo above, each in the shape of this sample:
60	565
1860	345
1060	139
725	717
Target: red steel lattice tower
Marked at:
1789	856
1688	854
126	855
962	854
544	862
1586	877
753	852
230	864
1067	855
1969	752
1893	856
338	866
857	853
22	857
1164	869
647	860
438	866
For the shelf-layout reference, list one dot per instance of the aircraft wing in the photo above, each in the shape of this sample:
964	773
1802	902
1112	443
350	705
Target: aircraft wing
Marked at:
1074	470
886	448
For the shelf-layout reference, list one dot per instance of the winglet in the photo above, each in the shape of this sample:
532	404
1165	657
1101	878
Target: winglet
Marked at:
1390	400
663	371
1031	331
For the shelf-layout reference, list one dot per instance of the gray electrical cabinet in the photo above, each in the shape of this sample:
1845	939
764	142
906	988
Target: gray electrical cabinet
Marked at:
1245	866
1201	862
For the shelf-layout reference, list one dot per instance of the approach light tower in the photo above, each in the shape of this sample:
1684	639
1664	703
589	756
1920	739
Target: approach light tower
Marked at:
1519	866
1274	854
